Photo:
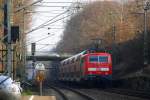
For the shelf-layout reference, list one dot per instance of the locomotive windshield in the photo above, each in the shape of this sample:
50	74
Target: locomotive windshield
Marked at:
98	59
103	59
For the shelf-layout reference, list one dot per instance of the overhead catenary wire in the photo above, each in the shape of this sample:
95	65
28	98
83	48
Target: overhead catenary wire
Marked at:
40	40
42	48
24	7
45	10
57	20
40	26
45	46
57	2
42	12
43	25
53	18
44	16
56	28
50	34
50	6
47	22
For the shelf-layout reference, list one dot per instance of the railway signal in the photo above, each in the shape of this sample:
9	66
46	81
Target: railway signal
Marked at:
40	70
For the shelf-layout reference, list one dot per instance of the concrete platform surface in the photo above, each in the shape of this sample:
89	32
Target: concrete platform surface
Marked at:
34	97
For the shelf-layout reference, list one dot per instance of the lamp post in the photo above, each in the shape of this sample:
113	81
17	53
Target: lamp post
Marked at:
146	8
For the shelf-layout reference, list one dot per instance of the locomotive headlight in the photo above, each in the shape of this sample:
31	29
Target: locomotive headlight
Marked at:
104	69
91	69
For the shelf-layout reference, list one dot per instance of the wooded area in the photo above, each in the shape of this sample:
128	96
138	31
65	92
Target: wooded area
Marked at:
120	27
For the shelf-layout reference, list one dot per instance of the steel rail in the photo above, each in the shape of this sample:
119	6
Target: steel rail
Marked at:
87	97
64	97
140	94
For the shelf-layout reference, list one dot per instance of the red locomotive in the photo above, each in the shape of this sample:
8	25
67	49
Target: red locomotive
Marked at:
86	66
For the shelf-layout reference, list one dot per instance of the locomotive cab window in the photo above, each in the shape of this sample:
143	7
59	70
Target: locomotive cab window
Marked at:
93	59
103	59
98	59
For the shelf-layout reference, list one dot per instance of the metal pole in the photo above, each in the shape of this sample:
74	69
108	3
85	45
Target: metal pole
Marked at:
41	88
23	38
113	43
9	53
2	59
33	69
33	48
145	38
114	33
25	49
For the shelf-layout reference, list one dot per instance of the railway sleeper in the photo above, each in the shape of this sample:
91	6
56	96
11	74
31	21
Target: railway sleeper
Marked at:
135	83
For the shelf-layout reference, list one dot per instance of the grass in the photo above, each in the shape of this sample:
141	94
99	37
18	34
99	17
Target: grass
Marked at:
27	92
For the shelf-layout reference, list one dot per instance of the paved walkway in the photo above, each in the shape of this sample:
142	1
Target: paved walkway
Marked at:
34	97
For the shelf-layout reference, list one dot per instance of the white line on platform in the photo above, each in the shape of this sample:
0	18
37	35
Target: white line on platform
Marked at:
31	98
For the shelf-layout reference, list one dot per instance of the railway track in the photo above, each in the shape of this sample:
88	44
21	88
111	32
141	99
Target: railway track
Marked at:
111	95
69	94
127	92
74	92
124	94
63	96
141	94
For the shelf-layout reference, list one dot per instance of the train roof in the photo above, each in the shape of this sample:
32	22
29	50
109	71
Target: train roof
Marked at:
75	56
82	54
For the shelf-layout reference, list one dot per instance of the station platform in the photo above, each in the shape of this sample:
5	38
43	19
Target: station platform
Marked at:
35	97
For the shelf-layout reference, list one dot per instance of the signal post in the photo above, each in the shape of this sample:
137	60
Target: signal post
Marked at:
40	76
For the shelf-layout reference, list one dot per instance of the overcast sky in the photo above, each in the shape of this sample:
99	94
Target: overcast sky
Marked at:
47	37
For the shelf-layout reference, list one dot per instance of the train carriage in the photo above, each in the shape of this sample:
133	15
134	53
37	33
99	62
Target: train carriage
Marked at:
86	66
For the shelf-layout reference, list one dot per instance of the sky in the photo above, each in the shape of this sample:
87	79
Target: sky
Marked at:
47	37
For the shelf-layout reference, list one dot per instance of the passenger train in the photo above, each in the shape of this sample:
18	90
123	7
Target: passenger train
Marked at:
86	66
